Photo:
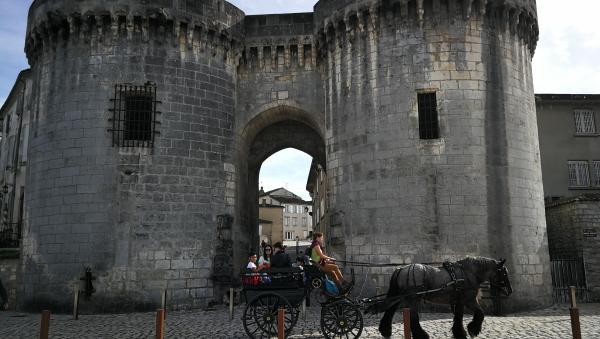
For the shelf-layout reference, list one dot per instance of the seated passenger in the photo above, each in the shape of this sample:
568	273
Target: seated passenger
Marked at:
265	259
280	258
252	263
326	263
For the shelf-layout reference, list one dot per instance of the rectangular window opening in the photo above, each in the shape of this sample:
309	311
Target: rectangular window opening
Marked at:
579	174
134	116
428	116
596	165
584	121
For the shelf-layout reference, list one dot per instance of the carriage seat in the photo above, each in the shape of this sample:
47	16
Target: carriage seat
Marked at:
273	278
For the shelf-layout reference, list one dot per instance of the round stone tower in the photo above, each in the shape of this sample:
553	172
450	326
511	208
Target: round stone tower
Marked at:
432	146
132	128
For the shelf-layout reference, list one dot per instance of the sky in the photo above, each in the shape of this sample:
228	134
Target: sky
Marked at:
565	62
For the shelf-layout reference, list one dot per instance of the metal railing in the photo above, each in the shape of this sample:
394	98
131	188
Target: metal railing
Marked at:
10	235
566	273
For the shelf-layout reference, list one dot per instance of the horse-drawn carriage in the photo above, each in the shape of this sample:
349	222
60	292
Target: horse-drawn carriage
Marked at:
341	316
268	291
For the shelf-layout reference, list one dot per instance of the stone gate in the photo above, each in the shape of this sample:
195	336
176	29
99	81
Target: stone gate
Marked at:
151	119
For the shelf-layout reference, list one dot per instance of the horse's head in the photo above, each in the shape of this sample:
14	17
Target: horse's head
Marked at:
500	280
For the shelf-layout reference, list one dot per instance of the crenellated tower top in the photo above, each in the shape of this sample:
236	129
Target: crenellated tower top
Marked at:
215	24
335	18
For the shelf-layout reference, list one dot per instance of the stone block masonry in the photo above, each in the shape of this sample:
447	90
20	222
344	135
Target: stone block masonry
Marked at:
340	84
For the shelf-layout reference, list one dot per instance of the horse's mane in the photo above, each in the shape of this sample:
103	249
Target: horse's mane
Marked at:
477	265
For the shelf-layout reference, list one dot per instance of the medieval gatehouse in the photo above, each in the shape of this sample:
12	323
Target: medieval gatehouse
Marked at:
146	123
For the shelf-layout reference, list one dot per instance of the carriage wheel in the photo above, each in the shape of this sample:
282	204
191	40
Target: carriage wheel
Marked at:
341	319
260	316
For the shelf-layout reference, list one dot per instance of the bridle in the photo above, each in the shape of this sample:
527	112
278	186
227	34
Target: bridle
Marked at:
500	281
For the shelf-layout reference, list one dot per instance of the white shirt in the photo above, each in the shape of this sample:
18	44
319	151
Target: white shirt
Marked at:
251	265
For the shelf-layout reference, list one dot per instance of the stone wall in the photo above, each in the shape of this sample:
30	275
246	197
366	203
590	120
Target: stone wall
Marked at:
10	274
574	232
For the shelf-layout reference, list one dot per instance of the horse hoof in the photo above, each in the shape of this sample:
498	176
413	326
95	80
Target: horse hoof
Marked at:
459	333
385	334
473	329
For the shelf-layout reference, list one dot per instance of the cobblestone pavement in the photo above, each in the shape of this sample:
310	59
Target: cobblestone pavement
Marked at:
549	323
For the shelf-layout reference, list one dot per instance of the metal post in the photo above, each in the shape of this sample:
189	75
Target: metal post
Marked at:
45	325
406	316
575	325
163	302
281	323
76	303
231	303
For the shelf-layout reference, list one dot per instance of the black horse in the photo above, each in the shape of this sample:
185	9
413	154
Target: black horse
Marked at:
454	284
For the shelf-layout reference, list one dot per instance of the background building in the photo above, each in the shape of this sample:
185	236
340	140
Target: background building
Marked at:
569	144
316	185
14	139
297	222
270	223
570	154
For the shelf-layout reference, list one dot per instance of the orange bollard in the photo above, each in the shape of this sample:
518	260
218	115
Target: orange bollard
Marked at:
160	324
406	316
575	325
45	325
281	323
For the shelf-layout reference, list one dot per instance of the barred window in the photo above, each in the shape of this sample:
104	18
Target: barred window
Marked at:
596	165
584	121
428	116
579	174
134	116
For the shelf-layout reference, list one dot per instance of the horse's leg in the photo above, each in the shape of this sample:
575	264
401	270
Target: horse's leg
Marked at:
457	326
415	327
474	326
385	325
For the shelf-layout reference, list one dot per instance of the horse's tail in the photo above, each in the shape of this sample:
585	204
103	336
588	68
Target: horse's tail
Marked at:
392	293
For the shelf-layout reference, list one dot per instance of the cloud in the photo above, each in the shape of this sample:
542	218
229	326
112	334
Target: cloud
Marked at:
566	57
287	168
13	22
252	7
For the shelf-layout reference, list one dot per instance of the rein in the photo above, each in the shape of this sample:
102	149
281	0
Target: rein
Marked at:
368	264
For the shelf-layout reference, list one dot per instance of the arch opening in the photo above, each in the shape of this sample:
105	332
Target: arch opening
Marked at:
268	133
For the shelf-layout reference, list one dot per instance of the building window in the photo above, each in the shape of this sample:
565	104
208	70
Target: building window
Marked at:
134	116
286	221
579	174
428	116
596	173
289	235
584	121
294	221
303	221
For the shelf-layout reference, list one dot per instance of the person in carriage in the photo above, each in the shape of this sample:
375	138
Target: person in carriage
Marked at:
265	259
327	263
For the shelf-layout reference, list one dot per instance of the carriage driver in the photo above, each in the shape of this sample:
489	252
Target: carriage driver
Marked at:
326	263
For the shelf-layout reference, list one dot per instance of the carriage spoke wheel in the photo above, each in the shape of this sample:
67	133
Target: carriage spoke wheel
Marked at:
341	319
260	316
